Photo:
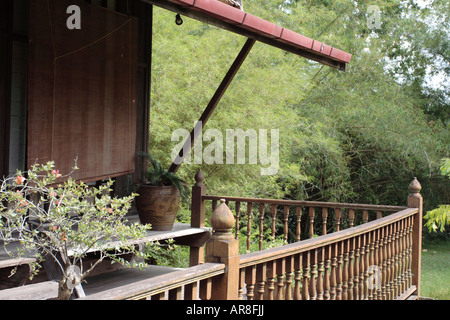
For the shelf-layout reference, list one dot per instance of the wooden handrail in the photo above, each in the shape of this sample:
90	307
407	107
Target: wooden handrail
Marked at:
315	204
160	284
258	257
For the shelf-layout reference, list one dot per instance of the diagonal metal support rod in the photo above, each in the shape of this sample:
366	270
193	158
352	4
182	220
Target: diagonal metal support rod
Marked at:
213	103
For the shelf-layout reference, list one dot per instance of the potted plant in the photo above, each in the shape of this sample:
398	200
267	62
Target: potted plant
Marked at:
159	199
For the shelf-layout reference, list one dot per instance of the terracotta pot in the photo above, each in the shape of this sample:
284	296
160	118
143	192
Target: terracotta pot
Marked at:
158	206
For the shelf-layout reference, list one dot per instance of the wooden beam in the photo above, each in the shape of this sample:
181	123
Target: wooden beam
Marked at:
213	103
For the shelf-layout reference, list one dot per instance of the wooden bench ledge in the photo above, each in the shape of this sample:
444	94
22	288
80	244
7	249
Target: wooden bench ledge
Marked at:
39	291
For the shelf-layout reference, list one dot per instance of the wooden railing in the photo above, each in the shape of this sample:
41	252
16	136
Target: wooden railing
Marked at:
378	259
368	262
308	218
189	284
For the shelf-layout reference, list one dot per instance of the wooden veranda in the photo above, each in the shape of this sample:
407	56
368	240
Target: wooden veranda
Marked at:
360	251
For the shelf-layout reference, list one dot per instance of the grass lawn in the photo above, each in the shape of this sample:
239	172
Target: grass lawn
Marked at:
436	270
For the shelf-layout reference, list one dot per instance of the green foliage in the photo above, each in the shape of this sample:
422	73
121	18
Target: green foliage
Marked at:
354	136
157	176
438	219
68	219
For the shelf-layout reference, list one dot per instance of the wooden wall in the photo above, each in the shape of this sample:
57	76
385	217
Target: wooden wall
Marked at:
82	90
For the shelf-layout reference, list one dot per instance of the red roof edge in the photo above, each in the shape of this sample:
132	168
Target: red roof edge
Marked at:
262	30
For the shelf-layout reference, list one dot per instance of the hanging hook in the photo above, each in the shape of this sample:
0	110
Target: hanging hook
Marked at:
178	20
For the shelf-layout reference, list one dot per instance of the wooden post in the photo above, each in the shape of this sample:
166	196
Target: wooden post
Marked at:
196	255
415	201
224	248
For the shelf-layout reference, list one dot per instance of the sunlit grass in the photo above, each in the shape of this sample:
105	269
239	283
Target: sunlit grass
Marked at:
436	270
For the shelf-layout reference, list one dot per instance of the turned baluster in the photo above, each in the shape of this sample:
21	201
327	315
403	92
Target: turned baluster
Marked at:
362	269
271	274
379	214
401	274
241	284
326	274
298	212
311	221
238	214
261	224
377	262
306	275
324	220
389	264
370	259
410	252
313	278
346	248
366	264
261	272
351	217
356	269
365	216
281	269
320	270
340	250
337	218
332	249
288	282
273	212
297	276
286	218
385	283
351	246
250	281
249	224
395	252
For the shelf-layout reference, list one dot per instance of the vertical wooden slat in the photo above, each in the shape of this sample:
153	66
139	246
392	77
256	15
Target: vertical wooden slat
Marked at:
175	294
206	289
191	291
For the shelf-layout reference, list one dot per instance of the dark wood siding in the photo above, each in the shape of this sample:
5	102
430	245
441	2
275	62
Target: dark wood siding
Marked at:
82	90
